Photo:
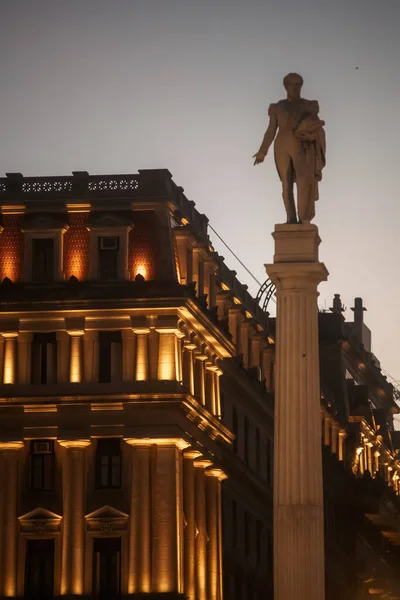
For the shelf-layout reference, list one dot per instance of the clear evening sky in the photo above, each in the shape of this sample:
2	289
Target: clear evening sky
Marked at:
114	86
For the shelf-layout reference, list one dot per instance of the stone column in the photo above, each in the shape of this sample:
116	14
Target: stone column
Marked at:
139	573
298	498
167	515
190	523
90	352
199	377
8	517
188	366
24	357
10	356
62	356
210	388
201	525
214	530
218	408
142	354
74	495
75	361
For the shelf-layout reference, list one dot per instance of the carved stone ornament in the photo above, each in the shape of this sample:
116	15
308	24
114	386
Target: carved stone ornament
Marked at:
40	522
106	521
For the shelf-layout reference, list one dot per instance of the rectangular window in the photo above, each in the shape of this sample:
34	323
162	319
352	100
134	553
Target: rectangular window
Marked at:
41	465
235	429
43	260
246	534
246	439
108	458
258	457
110	356
269	458
39	570
108	258
44	358
106	568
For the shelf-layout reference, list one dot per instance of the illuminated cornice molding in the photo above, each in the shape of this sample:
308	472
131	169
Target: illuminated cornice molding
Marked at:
180	443
11	445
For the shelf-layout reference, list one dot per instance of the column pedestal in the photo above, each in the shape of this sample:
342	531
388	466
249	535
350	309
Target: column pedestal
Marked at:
298	493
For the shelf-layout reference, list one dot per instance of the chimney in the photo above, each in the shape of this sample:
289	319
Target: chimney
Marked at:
359	327
337	306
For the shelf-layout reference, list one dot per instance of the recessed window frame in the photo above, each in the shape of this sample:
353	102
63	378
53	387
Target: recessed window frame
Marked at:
103	452
120	232
57	235
44	461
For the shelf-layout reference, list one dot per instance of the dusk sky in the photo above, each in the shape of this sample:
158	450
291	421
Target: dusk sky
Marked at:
120	85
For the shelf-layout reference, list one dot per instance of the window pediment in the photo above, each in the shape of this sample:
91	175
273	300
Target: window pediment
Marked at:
44	223
39	522
106	520
109	220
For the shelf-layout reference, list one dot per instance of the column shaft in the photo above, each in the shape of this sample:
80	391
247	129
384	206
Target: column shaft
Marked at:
299	571
190	525
139	578
10	359
90	351
75	362
188	368
201	525
74	493
8	521
167	518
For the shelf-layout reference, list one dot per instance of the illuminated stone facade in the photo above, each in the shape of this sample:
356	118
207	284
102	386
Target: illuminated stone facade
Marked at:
118	322
136	403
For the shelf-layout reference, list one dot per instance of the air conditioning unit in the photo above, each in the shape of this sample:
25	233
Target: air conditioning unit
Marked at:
42	447
109	243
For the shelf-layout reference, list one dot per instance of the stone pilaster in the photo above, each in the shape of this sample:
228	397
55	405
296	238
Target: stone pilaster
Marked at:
90	352
139	574
298	498
73	542
24	357
8	517
189	509
214	530
201	525
10	357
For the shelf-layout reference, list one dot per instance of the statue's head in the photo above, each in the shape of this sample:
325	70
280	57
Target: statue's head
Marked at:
293	83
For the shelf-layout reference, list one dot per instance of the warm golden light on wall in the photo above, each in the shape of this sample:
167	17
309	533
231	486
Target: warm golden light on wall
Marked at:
141	357
141	269
166	357
9	357
75	366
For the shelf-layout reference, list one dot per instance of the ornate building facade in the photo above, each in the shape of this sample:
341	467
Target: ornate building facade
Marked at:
136	403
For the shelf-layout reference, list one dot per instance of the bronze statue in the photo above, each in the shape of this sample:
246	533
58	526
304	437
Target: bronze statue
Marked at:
299	149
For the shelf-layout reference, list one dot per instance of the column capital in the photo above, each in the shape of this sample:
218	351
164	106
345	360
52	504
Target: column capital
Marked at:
11	445
10	335
76	332
191	453
297	276
215	472
202	463
178	442
76	444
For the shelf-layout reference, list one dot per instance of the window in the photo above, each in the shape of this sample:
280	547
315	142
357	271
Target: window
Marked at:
108	258
39	569
110	356
44	358
41	465
108	460
106	568
246	439
235	429
269	458
246	534
42	260
258	458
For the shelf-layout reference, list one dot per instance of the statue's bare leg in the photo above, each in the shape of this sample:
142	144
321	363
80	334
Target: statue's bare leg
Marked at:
286	174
